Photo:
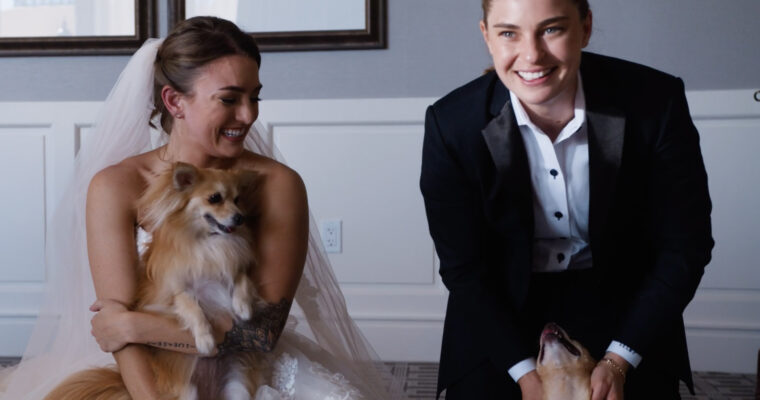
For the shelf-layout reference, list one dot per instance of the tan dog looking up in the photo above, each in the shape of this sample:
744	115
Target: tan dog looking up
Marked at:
564	366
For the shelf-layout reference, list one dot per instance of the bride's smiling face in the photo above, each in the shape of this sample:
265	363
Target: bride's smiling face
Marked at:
222	105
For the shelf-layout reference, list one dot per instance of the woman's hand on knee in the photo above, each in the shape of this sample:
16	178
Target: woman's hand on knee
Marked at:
110	325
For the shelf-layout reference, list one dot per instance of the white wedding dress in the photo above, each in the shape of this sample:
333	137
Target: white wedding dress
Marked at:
296	367
321	355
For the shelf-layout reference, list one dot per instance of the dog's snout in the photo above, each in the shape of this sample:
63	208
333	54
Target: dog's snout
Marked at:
237	219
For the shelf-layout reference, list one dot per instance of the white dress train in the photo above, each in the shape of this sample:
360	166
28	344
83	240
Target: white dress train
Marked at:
297	366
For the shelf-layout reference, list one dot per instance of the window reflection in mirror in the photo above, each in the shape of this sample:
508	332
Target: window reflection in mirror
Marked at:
284	16
62	18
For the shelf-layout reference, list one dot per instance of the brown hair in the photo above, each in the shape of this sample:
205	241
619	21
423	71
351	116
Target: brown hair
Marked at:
582	5
192	44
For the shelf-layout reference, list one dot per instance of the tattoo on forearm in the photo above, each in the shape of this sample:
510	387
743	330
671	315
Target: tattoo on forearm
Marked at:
168	345
260	333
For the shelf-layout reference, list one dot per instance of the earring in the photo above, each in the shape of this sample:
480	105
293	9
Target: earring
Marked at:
179	115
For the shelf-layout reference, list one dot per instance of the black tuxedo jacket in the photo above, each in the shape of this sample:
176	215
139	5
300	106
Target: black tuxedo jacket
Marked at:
649	214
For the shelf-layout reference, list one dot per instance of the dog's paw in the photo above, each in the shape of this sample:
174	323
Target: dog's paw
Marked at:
205	343
242	307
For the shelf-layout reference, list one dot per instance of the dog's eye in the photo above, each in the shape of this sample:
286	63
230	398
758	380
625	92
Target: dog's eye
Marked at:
215	198
236	199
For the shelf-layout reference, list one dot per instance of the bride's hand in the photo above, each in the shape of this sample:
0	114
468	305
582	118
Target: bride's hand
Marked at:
110	325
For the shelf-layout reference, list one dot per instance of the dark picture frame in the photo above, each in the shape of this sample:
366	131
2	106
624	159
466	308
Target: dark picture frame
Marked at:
145	27
374	36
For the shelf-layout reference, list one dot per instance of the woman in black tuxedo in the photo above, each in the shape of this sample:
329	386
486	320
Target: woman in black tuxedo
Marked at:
569	187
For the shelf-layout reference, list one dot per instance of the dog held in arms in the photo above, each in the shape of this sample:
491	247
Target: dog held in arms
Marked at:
196	265
564	366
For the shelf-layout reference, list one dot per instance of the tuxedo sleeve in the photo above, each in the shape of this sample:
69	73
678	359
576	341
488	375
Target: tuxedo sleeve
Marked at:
480	321
679	207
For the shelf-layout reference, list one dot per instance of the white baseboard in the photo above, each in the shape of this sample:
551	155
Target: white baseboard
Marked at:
721	350
404	340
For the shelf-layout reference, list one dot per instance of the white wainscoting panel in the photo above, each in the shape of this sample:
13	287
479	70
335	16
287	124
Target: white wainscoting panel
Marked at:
367	177
22	239
723	320
730	148
38	142
360	160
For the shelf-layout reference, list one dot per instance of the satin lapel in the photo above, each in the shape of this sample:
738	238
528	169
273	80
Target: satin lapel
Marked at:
510	193
502	136
510	196
606	131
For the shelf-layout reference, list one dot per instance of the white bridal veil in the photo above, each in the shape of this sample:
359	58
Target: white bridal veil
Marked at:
61	342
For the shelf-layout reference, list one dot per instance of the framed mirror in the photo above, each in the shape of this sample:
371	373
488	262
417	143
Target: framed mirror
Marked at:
290	25
74	27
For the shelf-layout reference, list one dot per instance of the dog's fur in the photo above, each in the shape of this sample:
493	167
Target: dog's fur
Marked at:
196	264
564	366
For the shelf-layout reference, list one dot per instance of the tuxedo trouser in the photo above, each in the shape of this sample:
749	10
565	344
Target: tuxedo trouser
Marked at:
574	300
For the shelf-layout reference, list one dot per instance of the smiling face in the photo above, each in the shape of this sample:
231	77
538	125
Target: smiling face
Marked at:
219	109
536	49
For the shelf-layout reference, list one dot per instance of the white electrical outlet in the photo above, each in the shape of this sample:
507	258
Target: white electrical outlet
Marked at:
329	230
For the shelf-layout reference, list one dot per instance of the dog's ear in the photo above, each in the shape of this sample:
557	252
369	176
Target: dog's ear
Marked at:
184	176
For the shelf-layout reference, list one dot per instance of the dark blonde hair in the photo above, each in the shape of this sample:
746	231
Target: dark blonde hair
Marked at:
192	44
581	5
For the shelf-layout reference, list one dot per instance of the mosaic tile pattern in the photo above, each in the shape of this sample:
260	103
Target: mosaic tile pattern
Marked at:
722	386
419	382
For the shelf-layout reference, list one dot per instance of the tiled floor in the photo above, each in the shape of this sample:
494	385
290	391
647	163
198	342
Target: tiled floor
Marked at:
419	380
722	386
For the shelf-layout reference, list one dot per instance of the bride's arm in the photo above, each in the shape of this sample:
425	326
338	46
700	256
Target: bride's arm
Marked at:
113	259
114	327
282	235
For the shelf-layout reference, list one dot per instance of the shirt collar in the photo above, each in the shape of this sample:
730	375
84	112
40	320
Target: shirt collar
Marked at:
573	126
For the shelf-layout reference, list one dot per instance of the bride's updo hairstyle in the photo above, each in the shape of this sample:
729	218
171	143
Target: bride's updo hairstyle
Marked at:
192	44
582	5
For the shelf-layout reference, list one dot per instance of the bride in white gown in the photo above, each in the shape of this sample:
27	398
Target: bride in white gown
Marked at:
205	93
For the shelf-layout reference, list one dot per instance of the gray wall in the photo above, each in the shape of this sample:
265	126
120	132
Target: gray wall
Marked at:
435	45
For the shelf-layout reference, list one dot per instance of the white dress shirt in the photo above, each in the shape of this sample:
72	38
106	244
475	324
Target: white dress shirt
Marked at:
559	174
560	178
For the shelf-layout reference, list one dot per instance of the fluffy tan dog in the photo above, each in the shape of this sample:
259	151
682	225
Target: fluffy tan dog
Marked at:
196	264
564	366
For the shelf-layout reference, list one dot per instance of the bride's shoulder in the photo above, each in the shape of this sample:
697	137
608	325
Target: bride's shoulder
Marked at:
279	183
126	179
272	171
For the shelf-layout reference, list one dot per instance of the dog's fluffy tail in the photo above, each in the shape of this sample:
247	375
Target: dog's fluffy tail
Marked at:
91	384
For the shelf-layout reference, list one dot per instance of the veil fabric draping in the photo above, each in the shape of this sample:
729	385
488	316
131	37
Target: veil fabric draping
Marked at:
61	343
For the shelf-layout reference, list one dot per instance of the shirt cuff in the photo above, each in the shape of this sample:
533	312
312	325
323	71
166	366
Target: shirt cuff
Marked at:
626	352
523	367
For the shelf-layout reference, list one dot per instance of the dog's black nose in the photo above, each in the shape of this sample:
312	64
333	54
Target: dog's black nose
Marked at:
237	219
